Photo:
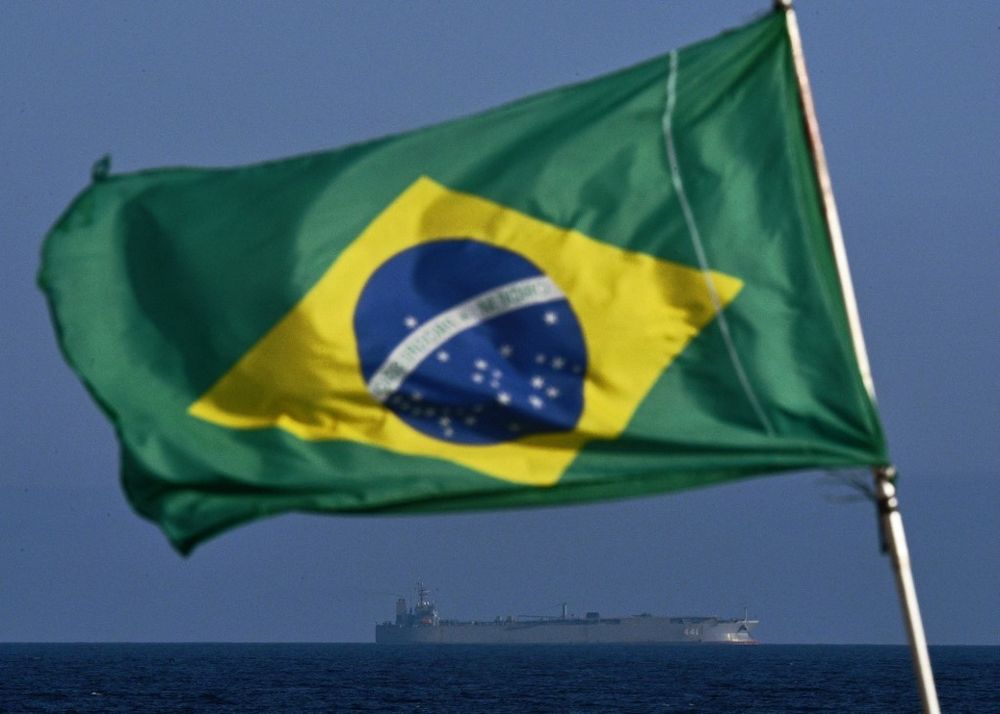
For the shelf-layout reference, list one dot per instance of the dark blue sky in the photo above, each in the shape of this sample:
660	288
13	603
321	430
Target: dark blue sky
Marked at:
909	107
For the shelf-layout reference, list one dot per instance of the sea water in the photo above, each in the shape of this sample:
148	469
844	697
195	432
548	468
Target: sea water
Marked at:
609	678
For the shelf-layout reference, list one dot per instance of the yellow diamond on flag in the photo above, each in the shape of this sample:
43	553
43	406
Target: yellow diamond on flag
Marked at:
555	341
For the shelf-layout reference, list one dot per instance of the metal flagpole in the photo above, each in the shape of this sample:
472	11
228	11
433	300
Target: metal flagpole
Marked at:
895	539
885	491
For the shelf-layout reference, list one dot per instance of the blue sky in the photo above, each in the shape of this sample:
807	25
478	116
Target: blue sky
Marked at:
908	105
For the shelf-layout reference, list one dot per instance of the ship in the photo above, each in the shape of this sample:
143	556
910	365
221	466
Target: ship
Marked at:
422	625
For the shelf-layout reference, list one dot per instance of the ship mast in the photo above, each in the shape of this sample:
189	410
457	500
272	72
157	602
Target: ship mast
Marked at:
425	613
423	595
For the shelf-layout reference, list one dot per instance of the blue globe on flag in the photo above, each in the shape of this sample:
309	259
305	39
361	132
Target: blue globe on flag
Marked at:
470	343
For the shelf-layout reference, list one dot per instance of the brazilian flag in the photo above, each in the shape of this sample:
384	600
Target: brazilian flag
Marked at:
616	288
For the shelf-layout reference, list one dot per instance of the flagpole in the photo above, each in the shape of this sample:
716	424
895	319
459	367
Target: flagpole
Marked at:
895	539
885	491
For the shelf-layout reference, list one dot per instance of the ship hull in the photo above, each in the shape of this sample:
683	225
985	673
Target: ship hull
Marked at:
626	630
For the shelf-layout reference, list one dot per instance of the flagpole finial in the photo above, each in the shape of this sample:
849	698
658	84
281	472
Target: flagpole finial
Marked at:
782	5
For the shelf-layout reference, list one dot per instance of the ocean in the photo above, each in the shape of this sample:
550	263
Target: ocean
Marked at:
360	677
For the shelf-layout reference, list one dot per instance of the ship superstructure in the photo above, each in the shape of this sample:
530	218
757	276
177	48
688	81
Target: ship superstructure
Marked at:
423	625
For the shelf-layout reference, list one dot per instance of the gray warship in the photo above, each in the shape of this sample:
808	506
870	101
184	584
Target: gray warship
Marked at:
421	624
